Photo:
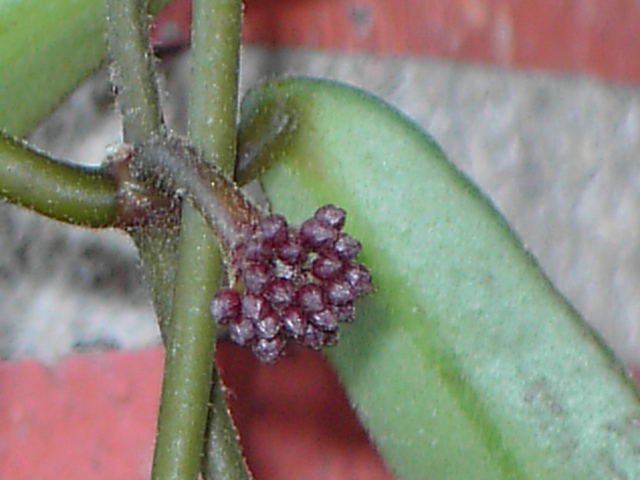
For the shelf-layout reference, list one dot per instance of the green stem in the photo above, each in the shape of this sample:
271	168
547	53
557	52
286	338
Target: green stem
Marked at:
133	71
188	332
223	459
134	77
215	48
63	191
188	357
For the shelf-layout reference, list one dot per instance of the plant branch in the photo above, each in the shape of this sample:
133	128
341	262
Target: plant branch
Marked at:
188	332
60	190
133	72
188	359
223	459
215	49
133	75
172	166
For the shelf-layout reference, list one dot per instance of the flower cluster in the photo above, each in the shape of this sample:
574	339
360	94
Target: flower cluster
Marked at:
291	283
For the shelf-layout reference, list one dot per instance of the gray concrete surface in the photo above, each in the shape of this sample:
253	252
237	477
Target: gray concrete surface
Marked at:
558	155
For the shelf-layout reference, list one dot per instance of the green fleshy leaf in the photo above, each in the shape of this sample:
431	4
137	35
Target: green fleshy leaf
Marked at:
464	362
48	48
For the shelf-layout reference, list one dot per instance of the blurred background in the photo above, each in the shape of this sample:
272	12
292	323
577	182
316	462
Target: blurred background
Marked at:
536	100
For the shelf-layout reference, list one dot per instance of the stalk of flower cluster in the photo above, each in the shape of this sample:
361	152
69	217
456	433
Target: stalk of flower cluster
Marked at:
171	165
284	282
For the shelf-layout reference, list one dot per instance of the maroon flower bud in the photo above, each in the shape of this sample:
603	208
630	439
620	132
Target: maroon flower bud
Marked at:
242	331
344	313
315	338
310	298
324	320
274	229
347	247
297	283
280	293
268	326
325	267
339	292
225	306
290	251
255	277
331	216
360	279
294	322
316	235
254	308
257	249
268	350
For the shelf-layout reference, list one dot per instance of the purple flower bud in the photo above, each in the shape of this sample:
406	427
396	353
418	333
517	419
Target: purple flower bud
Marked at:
257	249
268	326
325	267
290	251
310	298
360	279
294	321
324	320
330	338
254	308
274	229
344	313
242	331
347	247
225	306
268	350
255	277
331	216
280	293
315	338
339	292
316	235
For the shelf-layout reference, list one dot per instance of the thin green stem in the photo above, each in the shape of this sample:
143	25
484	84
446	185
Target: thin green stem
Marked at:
223	459
133	71
60	190
133	75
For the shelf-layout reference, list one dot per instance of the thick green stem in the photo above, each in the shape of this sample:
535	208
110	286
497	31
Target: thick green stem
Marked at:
188	357
188	333
133	71
215	48
63	191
